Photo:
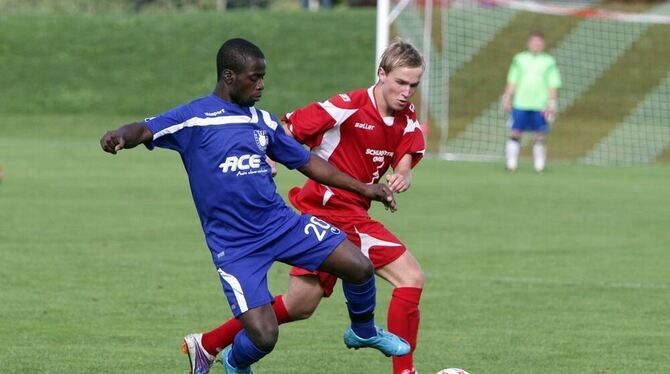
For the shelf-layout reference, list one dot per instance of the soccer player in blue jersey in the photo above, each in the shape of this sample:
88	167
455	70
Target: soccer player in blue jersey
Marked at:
223	141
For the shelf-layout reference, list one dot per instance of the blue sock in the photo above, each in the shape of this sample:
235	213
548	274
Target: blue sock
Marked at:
244	352
361	305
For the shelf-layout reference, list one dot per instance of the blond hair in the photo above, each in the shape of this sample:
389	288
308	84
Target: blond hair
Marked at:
401	54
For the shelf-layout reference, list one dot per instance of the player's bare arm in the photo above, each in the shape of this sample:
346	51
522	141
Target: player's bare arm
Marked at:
287	130
401	178
125	137
552	105
321	171
506	102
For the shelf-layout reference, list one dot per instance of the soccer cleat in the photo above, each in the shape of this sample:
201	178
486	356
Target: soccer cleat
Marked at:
387	343
199	359
227	367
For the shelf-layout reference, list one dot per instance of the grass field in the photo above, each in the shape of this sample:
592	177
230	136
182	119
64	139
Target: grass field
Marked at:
103	266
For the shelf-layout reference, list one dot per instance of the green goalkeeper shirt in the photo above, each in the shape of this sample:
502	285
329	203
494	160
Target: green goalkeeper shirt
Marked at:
533	76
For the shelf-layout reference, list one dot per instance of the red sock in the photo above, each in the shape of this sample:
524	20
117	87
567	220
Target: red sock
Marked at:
215	340
403	320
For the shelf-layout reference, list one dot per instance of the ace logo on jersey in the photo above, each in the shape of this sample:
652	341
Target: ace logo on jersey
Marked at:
261	139
243	163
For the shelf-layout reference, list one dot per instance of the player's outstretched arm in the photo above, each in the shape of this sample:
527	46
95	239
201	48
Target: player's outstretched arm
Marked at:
125	137
321	171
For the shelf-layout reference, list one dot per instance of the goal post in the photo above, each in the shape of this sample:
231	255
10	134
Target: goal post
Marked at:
614	104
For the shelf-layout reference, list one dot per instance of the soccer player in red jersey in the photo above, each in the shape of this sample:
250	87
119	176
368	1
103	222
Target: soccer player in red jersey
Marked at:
362	133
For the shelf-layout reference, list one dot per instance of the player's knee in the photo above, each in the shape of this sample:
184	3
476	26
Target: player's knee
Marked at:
416	278
365	271
303	312
411	276
303	307
264	339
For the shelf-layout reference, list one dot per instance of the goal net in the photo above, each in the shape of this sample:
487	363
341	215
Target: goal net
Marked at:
614	102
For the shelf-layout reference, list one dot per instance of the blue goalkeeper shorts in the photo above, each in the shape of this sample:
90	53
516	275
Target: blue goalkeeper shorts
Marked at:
528	121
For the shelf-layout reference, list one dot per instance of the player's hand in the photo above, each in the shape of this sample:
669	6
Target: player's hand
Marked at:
273	165
398	182
112	142
383	194
549	113
506	104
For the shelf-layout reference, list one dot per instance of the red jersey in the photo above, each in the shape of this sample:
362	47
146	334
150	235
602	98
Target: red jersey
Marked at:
348	131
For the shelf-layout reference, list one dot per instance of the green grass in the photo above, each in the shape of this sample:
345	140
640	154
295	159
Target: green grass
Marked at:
145	64
104	267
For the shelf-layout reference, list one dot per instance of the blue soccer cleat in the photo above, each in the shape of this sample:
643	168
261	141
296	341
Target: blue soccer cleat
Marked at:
227	367
387	343
199	359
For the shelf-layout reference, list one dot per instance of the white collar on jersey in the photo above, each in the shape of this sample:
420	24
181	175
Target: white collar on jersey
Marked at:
388	121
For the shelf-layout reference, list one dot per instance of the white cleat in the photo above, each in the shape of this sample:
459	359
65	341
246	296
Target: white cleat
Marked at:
199	359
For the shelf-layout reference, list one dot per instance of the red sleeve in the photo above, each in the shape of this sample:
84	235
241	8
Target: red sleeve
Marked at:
308	124
412	141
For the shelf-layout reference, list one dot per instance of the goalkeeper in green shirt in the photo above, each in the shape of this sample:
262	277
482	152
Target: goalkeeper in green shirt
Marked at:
531	96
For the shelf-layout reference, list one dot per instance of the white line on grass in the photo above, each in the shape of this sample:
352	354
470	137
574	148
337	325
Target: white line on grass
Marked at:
553	282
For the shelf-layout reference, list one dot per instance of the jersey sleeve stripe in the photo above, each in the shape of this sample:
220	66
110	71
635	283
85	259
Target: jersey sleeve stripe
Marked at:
330	141
412	125
213	121
269	121
338	114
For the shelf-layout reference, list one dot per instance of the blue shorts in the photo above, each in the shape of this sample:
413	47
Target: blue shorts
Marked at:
243	273
528	120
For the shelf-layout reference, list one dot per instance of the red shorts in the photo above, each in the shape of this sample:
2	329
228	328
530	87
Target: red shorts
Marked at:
375	240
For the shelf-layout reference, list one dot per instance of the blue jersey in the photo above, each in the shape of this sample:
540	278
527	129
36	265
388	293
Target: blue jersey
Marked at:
223	148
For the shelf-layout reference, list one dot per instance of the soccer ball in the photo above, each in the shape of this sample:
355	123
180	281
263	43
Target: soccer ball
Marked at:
452	371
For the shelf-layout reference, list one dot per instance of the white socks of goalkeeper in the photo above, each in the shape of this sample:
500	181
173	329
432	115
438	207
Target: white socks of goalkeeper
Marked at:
539	155
512	148
512	153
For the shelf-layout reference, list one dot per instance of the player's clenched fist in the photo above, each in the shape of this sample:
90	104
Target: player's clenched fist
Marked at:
112	142
125	137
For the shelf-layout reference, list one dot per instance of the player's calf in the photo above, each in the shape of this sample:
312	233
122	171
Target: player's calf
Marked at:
539	155
512	148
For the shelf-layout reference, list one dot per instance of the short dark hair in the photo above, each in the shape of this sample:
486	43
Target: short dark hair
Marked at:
536	34
233	55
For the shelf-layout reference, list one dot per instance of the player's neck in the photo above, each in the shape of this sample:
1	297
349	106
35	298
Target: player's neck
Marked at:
222	93
382	106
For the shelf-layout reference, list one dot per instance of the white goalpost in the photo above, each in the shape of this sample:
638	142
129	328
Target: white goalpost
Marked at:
614	105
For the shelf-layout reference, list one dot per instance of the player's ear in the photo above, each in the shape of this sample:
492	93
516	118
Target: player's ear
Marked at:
228	76
381	74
